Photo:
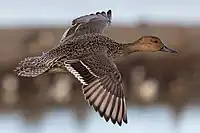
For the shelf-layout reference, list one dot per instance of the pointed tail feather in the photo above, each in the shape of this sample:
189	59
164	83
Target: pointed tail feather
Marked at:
32	66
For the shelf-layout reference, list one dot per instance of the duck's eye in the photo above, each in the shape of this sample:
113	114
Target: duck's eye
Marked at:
155	41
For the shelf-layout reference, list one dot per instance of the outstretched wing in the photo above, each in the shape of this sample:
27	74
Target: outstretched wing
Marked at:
98	21
102	86
93	23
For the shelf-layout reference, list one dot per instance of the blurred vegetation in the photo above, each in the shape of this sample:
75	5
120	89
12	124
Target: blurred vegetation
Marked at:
150	78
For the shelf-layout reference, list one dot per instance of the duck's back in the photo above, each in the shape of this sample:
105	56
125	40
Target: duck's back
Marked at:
80	45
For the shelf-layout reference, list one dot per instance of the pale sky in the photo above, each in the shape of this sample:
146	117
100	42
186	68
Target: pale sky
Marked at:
20	12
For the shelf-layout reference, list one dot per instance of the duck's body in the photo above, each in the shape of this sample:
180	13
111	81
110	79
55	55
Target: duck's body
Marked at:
88	54
76	48
88	44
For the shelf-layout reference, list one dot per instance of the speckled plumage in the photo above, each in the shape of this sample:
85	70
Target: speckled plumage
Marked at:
89	56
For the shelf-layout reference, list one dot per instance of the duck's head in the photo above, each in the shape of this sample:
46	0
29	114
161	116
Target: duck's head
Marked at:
149	44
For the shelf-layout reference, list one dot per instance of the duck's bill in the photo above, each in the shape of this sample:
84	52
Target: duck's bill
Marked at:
167	49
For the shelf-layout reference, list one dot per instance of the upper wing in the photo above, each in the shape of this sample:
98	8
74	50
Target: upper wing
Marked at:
102	86
93	23
99	20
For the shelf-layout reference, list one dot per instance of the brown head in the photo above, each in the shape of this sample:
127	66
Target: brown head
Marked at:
149	44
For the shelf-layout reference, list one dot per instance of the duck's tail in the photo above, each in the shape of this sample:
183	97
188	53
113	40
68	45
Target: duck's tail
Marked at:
33	66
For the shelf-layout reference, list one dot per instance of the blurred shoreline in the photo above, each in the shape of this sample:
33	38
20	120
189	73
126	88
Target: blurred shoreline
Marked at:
150	78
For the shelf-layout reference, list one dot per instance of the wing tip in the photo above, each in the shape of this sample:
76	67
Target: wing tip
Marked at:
96	108
109	11
119	123
106	118
125	120
109	14
113	120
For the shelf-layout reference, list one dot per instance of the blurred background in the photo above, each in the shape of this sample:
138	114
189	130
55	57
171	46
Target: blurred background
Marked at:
162	89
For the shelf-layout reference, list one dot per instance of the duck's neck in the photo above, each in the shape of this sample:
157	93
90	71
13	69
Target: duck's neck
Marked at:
130	47
122	49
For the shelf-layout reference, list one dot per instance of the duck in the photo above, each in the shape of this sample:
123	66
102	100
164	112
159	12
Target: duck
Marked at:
88	54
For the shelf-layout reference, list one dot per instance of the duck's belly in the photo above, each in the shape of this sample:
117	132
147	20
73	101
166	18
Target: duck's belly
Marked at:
58	66
58	70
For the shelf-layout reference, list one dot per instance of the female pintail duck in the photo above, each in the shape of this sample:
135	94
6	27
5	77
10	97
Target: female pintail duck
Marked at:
88	54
